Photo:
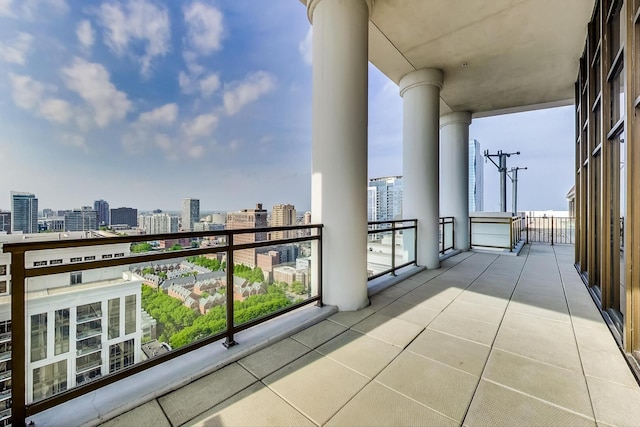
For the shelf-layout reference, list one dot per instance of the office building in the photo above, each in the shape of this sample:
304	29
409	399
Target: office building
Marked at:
190	213
158	223
476	177
24	212
102	209
124	216
5	222
83	219
283	215
247	218
384	198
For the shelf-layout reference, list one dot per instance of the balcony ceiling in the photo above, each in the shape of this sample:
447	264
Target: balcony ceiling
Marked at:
497	55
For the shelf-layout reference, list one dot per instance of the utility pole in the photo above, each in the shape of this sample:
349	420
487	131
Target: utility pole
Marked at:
502	168
514	188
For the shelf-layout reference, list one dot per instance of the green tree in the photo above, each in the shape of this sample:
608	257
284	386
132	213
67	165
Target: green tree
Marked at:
137	248
175	247
148	270
297	287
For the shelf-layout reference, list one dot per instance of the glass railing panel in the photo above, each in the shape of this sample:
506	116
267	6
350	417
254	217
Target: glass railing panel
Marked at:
106	305
379	251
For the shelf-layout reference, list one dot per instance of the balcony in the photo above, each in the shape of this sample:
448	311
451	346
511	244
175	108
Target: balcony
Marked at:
486	339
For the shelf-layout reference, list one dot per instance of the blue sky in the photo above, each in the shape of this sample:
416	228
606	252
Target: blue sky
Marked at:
143	102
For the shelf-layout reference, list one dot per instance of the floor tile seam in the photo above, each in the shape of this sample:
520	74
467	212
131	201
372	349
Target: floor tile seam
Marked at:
164	413
286	401
442	363
484	367
565	322
539	399
360	373
390	343
324	342
414	400
211	407
456	336
574	371
635	388
575	337
308	350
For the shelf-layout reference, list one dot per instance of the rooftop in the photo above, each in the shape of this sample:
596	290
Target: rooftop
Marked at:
484	340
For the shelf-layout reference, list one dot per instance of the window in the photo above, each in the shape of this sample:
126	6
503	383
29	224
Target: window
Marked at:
114	318
130	314
3	286
5	347
55	261
39	263
89	311
89	329
5	327
120	255
3	270
38	337
107	256
89	258
49	380
121	355
76	277
89	361
76	259
62	331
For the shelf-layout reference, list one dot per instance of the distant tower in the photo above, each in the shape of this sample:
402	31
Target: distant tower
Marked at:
476	177
190	213
247	218
102	208
384	202
24	212
283	215
307	218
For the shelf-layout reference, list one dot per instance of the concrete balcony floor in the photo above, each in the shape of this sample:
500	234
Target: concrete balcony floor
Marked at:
484	340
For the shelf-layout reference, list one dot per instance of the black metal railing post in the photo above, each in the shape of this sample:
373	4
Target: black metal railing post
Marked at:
415	241
453	233
511	235
527	228
18	340
229	341
393	248
552	231
320	302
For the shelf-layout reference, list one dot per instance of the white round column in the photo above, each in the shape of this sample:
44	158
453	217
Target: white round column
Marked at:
454	174
420	92
339	146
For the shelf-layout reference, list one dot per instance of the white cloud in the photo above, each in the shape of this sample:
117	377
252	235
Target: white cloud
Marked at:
209	84
185	82
163	141
205	28
306	45
26	92
91	81
55	110
30	95
16	51
74	140
238	94
164	115
195	151
5	8
138	21
201	126
85	34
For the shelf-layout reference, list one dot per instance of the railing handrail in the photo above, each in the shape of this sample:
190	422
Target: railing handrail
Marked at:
393	230
20	272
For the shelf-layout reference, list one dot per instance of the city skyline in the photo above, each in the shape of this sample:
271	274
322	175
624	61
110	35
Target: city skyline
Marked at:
222	104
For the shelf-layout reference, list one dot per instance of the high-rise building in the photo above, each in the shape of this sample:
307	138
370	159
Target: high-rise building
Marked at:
102	208
247	218
5	222
83	219
384	201
476	177
24	212
158	223
190	213
283	215
124	216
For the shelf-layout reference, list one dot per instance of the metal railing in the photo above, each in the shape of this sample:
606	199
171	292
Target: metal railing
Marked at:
560	230
21	408
447	233
395	227
494	233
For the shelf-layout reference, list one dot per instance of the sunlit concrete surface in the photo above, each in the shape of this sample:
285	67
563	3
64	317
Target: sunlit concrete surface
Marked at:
484	340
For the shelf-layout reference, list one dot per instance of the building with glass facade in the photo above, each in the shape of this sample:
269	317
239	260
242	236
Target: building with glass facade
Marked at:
102	209
384	198
24	212
190	213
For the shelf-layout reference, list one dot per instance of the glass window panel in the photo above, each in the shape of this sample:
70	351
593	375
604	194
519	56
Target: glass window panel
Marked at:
130	314
114	318
49	380
38	337
62	331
